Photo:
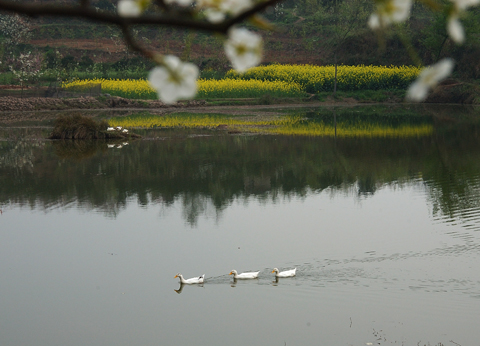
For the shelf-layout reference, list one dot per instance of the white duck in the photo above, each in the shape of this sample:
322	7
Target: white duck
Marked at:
284	274
248	275
195	280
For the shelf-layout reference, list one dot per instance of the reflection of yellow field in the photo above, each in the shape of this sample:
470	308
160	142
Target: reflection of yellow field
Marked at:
360	131
274	125
190	121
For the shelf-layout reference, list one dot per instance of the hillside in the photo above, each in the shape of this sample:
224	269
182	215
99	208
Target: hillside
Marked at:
307	32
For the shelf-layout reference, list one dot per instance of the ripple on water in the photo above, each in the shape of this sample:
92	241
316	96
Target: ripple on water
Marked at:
455	201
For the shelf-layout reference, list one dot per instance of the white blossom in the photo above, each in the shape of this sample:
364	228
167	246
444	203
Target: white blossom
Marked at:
15	29
243	48
174	80
213	10
26	67
129	8
217	10
132	8
214	15
388	12
454	27
428	79
465	4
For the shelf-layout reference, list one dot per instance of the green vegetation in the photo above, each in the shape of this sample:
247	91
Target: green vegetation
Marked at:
78	127
83	127
314	32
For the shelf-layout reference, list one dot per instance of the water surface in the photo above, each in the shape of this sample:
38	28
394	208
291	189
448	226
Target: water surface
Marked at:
383	231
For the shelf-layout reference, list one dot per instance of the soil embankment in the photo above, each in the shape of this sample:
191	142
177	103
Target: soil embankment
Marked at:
11	104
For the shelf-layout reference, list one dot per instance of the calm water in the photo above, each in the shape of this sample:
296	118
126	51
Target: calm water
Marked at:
384	233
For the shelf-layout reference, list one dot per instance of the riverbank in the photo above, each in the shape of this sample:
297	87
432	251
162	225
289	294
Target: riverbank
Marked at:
14	109
9	103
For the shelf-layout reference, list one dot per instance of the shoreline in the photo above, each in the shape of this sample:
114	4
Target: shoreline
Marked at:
14	110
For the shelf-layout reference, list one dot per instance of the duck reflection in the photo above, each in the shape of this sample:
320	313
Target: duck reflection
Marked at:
180	289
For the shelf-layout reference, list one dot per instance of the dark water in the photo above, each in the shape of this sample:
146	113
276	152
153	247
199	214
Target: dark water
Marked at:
383	231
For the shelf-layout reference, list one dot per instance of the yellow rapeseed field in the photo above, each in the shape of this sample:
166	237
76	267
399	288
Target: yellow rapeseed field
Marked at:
225	88
230	88
321	78
128	88
275	80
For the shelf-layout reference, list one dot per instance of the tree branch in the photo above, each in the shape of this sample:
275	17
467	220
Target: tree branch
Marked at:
76	11
175	19
134	45
242	16
82	11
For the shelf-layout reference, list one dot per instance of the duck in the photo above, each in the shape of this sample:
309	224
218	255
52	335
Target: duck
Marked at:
110	129
125	131
195	280
119	128
248	275
284	274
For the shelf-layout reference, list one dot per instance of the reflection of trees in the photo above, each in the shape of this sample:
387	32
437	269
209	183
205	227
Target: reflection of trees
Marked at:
18	155
453	182
78	149
454	194
207	173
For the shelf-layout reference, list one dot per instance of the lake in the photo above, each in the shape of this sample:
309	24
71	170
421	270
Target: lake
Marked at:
383	226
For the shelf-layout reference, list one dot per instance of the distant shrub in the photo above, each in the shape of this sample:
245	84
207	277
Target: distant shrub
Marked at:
78	127
68	62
